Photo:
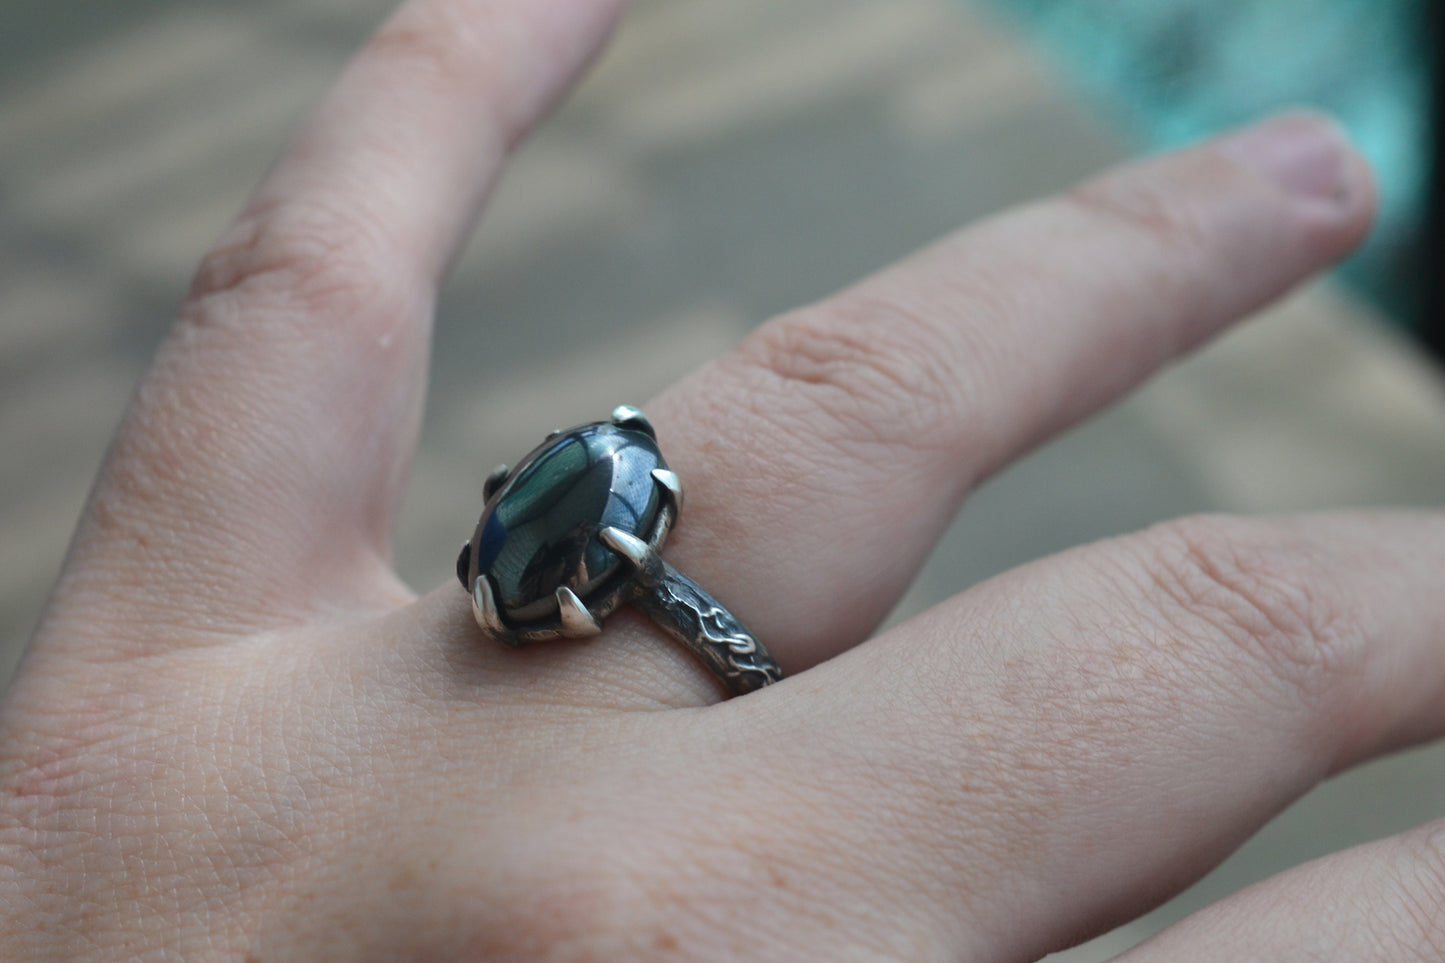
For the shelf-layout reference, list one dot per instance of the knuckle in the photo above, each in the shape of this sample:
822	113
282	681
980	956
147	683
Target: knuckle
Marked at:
1274	597
431	46
305	257
1161	213
874	365
448	46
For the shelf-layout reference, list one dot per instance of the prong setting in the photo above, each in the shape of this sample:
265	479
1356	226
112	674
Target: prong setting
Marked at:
633	551
484	610
464	564
577	622
626	416
577	603
576	531
671	487
495	480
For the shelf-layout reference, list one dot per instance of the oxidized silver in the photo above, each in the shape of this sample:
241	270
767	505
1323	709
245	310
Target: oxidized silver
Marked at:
643	579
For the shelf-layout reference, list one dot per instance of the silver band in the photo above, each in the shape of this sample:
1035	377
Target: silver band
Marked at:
693	617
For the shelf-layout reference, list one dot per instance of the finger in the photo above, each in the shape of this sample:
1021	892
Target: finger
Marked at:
1065	745
1378	903
826	455
262	461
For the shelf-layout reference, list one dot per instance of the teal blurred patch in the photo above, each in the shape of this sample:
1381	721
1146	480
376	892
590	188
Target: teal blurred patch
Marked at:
1176	70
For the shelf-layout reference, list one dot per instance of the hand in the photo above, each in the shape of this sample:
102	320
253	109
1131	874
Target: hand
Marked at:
237	732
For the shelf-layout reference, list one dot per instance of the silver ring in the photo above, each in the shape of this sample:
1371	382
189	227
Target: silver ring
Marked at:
574	532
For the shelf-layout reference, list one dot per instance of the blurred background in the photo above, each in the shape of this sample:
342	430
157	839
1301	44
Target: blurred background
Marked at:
726	161
1175	70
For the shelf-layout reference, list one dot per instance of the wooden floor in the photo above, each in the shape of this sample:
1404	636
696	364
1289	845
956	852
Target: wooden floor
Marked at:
727	161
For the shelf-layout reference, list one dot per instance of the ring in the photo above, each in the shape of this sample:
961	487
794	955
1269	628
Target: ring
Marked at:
574	532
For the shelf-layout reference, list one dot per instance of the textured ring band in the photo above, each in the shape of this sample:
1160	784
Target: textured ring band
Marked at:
575	530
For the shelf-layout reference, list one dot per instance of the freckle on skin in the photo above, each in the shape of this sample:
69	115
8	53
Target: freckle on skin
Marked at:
776	878
404	878
665	941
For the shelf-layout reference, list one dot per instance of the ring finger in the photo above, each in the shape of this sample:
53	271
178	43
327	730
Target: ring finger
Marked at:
826	454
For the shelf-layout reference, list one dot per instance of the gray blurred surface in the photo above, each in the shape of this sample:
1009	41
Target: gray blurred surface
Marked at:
725	162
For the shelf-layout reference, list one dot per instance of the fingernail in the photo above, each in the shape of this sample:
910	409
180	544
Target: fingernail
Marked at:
1302	153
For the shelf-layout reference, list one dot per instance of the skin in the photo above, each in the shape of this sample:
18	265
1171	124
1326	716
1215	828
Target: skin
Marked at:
238	735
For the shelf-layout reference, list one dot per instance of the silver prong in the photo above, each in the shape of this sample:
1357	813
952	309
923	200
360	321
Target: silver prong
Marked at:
670	484
633	550
495	480
464	563
627	416
577	622
484	608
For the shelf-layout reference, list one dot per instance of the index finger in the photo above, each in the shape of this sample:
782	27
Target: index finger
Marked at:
259	469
